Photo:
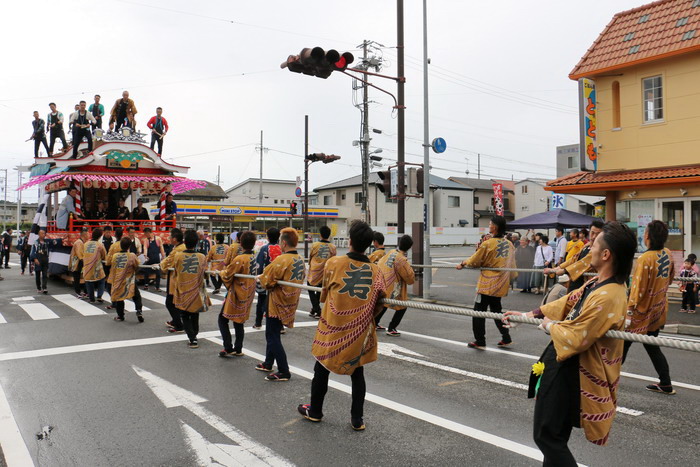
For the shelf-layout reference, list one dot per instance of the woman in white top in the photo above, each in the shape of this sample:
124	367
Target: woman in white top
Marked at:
543	259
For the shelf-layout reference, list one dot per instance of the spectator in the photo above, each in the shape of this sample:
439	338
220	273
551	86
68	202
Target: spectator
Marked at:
40	257
6	246
544	257
39	134
123	113
140	214
557	291
524	259
159	127
688	288
574	245
24	248
66	208
583	236
54	123
98	111
560	250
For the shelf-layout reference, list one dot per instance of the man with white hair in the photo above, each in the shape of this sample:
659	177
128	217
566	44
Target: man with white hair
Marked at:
123	113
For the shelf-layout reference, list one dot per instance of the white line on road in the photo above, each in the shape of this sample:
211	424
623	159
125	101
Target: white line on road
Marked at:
2	320
23	299
153	297
474	433
535	357
13	447
38	311
82	307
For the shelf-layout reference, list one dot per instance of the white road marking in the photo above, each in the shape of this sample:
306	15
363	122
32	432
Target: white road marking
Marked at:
390	350
129	305
38	311
536	357
172	395
210	454
23	299
2	320
81	306
161	299
13	447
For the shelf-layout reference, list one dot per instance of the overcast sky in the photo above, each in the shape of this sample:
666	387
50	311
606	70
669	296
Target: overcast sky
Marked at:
498	85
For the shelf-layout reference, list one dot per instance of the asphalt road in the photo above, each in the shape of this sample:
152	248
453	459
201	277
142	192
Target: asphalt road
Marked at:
85	390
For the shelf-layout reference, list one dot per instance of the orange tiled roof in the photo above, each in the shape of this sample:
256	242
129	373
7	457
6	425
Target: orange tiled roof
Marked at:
649	32
626	178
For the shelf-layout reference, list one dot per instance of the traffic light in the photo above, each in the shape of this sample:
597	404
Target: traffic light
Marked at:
385	177
292	208
317	62
321	157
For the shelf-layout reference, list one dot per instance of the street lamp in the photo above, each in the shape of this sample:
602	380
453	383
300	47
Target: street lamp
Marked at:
308	160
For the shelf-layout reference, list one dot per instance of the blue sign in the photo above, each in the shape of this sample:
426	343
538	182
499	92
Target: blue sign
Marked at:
297	192
558	201
439	145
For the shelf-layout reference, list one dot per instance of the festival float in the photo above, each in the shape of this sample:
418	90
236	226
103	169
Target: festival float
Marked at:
121	166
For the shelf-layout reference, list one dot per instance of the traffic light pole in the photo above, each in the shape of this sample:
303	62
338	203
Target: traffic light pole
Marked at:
427	221
306	185
401	148
364	144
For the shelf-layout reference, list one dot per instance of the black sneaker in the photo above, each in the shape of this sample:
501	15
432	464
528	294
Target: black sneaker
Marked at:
169	324
225	353
475	345
257	326
175	331
118	318
303	409
262	367
357	424
139	316
193	344
668	390
278	376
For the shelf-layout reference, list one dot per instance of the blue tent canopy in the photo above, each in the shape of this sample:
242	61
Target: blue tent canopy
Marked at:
552	219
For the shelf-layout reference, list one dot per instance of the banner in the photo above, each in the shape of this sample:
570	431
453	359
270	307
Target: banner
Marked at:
498	198
558	201
587	112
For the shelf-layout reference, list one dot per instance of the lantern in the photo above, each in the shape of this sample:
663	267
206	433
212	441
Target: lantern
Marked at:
87	183
125	185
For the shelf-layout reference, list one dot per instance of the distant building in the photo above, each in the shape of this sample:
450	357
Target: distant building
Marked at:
483	198
274	192
8	213
568	159
532	198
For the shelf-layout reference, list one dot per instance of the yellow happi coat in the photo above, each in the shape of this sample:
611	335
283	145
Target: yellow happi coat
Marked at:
124	266
188	279
282	300
493	253
647	303
233	250
93	255
377	255
398	275
76	255
114	249
346	336
167	263
240	291
600	357
573	249
319	254
576	267
216	256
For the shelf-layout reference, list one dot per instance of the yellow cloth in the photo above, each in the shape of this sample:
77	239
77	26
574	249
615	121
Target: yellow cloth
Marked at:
233	250
573	249
282	300
576	267
319	254
346	336
377	255
600	357
93	255
124	266
167	263
188	278
76	255
648	303
398	275
114	249
493	253
216	256
240	291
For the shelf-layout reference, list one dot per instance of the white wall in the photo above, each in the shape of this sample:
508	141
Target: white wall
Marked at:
248	193
529	203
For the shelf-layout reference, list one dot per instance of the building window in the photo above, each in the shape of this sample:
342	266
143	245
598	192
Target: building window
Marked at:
570	162
523	189
616	104
275	201
327	200
653	99
342	196
506	204
525	208
358	197
453	201
476	200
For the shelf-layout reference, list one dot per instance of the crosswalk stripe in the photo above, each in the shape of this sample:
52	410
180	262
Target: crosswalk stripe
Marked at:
129	305
2	320
78	305
153	297
38	311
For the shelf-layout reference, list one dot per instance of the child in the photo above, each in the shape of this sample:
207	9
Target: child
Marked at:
239	295
689	289
124	266
346	338
318	256
282	302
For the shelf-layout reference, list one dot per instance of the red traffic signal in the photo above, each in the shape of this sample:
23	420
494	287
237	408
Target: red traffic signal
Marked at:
292	208
317	62
385	177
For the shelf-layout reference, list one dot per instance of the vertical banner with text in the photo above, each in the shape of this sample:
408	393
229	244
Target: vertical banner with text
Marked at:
498	198
587	113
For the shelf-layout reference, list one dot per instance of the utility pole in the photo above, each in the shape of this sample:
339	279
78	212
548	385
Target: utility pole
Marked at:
305	207
19	199
4	205
427	272
260	195
364	144
218	175
478	166
401	147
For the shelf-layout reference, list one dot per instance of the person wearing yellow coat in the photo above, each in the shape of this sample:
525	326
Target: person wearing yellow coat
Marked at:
282	302
239	296
573	246
93	270
496	252
576	266
575	382
124	266
648	305
319	254
215	258
398	275
346	337
190	295
175	323
379	250
75	265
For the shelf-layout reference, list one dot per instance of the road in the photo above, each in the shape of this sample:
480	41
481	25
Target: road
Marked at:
82	389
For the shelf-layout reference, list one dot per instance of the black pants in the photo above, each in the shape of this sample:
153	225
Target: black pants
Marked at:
5	256
119	306
492	304
319	388
275	350
156	281
23	262
122	122
155	139
78	134
689	297
315	298
77	275
190	322
217	282
56	133
260	308
98	124
175	318
42	276
226	334
38	142
395	320
657	359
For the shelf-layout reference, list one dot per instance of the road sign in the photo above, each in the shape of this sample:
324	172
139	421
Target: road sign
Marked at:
298	180
439	145
394	183
297	192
